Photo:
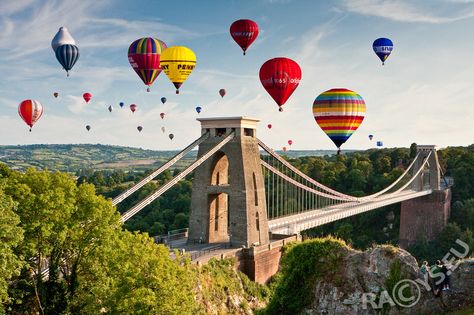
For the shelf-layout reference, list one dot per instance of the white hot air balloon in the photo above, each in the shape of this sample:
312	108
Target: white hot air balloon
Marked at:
62	37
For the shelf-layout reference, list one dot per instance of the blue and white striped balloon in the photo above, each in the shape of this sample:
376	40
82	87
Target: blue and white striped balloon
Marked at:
67	56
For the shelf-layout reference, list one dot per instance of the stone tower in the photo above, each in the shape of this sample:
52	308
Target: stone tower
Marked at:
228	193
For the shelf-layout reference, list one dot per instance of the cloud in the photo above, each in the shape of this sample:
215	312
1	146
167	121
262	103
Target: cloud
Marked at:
401	11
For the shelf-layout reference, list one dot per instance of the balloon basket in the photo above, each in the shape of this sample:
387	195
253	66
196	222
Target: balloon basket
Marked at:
280	109
177	91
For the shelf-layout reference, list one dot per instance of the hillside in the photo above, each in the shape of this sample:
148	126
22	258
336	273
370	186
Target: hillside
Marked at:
74	157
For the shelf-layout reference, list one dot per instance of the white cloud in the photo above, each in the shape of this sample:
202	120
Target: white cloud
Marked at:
402	11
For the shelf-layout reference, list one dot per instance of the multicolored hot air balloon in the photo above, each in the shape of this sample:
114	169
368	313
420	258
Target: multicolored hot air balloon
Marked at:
144	57
379	143
110	108
30	111
67	56
171	136
121	104
139	128
56	94
382	48
178	62
88	127
163	100
339	112
62	37
269	126
198	109
162	115
244	32
222	92
133	108
290	142
280	77
87	97
163	129
371	137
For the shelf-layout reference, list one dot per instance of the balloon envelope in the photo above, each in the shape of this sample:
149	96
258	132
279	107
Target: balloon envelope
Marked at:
62	37
87	97
121	104
139	128
244	32
30	111
269	126
110	108
67	56
339	112
290	142
88	127
379	143
280	77
163	129
171	136
163	100
198	109
371	137
284	149
133	108
178	62
222	92
144	57
383	48
56	94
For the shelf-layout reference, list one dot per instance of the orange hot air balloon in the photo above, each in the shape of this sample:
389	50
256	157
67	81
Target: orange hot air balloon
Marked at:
162	115
133	108
30	111
87	97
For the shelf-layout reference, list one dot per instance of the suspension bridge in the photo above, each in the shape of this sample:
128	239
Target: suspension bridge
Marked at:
246	195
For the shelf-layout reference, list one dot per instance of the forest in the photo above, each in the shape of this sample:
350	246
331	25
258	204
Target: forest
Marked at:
95	265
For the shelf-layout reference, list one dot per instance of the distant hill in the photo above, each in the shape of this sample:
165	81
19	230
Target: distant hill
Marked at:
74	157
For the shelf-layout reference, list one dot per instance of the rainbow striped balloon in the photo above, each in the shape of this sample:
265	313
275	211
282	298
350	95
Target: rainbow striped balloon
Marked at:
339	112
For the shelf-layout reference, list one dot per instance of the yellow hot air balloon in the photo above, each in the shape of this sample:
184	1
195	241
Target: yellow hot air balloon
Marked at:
178	62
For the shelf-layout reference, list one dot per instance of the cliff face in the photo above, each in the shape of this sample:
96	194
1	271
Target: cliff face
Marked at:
386	280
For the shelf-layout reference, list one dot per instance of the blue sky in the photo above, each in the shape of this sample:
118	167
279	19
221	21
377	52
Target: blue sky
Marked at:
423	94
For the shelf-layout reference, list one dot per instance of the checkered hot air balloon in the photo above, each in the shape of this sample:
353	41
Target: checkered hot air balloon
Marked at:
339	112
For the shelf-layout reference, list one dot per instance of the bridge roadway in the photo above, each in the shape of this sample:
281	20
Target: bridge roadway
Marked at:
294	224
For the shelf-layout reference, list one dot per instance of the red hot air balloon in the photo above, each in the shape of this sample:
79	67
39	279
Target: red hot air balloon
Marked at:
280	77
144	57
133	108
162	115
222	92
244	32
30	111
87	97
269	126
290	142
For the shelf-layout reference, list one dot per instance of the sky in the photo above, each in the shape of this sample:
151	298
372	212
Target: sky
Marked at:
423	94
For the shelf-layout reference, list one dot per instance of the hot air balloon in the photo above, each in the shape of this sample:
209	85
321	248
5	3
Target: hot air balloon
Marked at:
163	100
30	111
122	104
163	129
62	37
87	97
222	92
379	143
133	108
171	136
178	62
198	109
244	32
139	128
162	115
144	57
110	108
284	149
339	112
269	126
67	56
290	142
280	77
56	94
371	137
382	48
88	127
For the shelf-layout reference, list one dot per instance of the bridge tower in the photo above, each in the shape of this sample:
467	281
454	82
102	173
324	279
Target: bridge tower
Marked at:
228	194
425	217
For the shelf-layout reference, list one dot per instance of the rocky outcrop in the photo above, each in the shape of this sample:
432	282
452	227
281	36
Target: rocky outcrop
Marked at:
386	280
